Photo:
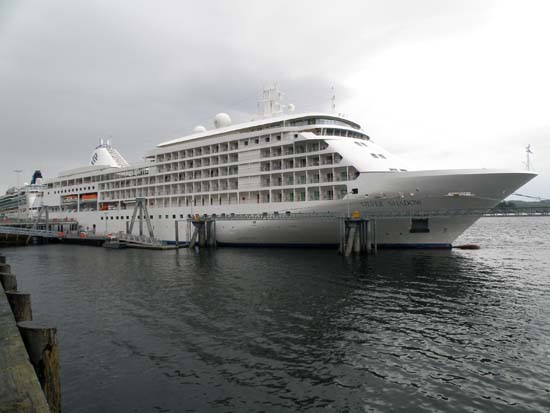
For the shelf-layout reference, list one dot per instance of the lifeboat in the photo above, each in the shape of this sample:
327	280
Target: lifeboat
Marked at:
88	197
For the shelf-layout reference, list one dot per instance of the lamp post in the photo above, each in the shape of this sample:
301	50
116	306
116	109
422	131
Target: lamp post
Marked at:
18	172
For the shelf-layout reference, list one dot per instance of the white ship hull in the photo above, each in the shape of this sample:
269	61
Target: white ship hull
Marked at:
466	192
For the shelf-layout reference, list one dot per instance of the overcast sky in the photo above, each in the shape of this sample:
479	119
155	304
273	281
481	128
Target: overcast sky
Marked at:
443	84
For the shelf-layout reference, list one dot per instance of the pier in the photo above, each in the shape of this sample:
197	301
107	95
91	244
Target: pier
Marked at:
204	231
356	235
29	359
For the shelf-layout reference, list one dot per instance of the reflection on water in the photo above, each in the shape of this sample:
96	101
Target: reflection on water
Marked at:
296	329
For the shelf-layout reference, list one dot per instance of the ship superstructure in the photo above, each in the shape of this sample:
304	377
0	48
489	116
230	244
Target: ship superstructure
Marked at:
282	162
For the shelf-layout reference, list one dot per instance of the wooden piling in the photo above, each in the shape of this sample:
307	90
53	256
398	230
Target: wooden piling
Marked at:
211	233
2	259
357	239
9	282
350	240
5	267
202	235
339	233
41	344
19	387
177	233
368	245
20	304
374	241
193	240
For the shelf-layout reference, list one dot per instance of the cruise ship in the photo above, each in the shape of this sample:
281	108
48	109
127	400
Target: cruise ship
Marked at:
312	166
23	202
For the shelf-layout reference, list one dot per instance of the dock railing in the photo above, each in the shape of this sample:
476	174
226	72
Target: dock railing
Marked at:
138	239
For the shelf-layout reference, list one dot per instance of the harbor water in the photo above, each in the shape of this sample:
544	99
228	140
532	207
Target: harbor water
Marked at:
301	330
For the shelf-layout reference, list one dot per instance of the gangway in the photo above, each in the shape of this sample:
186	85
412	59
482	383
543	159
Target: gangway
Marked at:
142	241
29	232
140	214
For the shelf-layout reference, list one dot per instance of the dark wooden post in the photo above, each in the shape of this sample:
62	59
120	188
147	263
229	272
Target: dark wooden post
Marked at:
208	224
177	233
9	282
2	259
374	240
41	344
341	234
20	304
214	235
202	234
368	229
351	237
5	268
357	240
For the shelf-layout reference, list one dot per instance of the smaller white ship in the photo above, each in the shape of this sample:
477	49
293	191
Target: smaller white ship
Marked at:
23	202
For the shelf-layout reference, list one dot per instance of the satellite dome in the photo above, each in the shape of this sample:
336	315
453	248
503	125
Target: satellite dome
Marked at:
221	120
199	129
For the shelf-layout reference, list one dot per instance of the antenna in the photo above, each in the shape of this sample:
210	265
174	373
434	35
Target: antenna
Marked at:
333	99
528	153
271	101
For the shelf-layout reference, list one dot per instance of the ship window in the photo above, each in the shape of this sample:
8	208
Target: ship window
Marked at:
245	143
267	139
102	218
174	216
374	155
279	137
166	216
256	140
357	143
160	216
382	156
112	218
354	191
419	226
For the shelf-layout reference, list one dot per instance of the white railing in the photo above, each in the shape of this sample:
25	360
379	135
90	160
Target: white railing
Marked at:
28	231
